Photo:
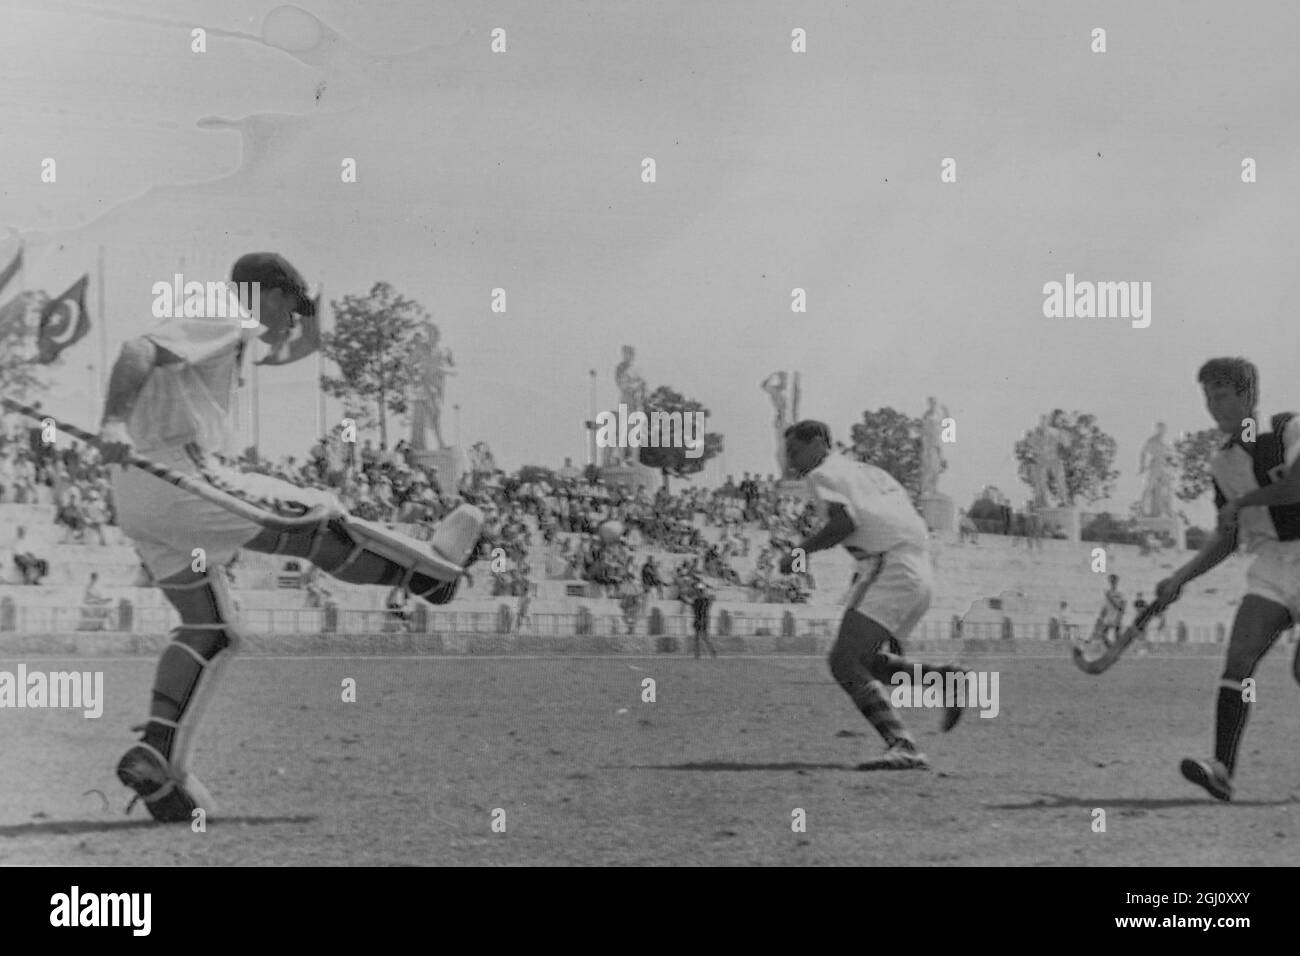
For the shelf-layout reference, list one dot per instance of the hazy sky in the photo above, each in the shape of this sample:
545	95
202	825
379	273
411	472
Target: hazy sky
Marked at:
775	170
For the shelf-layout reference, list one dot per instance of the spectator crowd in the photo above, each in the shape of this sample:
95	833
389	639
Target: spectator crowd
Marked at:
567	513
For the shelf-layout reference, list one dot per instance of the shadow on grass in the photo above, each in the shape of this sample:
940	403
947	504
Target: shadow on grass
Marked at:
1054	801
64	827
725	766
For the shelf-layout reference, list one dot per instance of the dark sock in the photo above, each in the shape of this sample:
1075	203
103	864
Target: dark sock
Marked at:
1229	725
873	702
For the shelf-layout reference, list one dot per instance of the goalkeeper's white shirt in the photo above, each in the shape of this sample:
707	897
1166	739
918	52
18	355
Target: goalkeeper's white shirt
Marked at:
882	514
192	401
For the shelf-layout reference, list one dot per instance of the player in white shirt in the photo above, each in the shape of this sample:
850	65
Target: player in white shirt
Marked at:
1257	491
870	514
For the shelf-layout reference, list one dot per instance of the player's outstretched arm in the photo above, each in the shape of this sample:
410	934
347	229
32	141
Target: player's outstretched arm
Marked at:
130	371
137	359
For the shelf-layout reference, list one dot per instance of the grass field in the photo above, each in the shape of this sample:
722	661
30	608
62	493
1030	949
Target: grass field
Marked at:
709	773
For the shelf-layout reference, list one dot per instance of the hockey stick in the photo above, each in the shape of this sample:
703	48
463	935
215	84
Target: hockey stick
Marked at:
1097	665
310	518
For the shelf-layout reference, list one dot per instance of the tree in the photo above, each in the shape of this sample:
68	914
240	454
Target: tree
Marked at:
670	457
1087	454
1194	452
19	372
372	345
890	440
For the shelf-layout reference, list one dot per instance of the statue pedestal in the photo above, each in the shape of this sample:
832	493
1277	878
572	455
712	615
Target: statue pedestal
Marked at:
1066	519
939	512
1171	528
634	476
446	460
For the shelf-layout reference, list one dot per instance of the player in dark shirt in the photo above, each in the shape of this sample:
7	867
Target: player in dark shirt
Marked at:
1257	491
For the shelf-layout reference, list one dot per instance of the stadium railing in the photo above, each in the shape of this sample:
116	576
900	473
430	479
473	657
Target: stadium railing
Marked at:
159	620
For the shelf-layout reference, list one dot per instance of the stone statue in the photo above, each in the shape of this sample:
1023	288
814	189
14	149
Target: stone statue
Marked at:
932	461
1047	468
787	412
632	390
432	372
481	459
1157	462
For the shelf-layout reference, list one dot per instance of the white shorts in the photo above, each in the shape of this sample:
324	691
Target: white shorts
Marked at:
1275	574
167	523
893	589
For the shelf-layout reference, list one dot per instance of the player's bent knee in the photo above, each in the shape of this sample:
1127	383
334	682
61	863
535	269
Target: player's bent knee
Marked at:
848	666
841	667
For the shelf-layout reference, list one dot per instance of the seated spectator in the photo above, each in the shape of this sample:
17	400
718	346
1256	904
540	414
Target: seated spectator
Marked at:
69	514
31	568
95	514
95	610
6	478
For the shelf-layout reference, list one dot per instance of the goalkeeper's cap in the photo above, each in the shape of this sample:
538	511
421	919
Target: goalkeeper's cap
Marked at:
273	271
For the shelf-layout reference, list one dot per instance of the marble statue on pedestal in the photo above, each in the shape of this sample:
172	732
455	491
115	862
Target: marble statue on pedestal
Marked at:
430	387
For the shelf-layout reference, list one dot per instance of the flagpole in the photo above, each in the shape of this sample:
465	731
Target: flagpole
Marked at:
257	411
320	369
22	290
103	332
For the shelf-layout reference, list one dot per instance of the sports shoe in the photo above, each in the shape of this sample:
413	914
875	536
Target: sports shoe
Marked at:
168	799
951	711
900	756
1210	774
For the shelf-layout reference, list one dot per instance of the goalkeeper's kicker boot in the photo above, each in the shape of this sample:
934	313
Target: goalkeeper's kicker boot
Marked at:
167	798
1210	774
457	538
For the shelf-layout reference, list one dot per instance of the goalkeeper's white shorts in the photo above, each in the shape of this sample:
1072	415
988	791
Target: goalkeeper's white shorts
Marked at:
894	589
167	523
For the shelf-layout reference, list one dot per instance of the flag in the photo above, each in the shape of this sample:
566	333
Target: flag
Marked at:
63	322
302	341
11	270
14	313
